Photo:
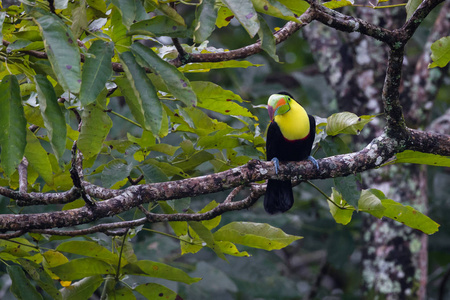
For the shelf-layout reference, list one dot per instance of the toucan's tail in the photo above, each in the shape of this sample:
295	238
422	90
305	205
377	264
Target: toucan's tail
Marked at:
279	197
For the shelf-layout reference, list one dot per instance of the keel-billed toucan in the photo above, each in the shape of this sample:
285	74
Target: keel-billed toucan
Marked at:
290	137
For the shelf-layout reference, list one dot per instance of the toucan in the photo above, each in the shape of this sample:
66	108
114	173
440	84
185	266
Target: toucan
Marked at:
290	137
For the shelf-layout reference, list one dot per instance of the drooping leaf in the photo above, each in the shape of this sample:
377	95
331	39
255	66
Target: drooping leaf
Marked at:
158	270
79	19
245	13
411	7
89	249
213	97
409	216
13	130
83	267
208	66
440	52
256	235
346	122
338	3
176	82
95	128
275	9
159	26
40	275
119	36
370	203
97	69
82	289
268	43
341	216
38	158
206	16
415	157
156	291
52	115
206	235
21	286
62	50
145	104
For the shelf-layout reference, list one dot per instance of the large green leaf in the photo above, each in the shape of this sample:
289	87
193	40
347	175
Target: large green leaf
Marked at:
213	97
115	171
411	7
245	13
130	10
62	50
341	215
206	16
90	249
409	216
13	130
415	157
256	235
97	69
267	39
176	82
38	158
40	275
83	289
145	104
346	122
156	291
205	234
275	9
370	203
83	267
208	66
296	6
119	32
159	26
94	129
52	115
338	3
440	52
21	286
158	270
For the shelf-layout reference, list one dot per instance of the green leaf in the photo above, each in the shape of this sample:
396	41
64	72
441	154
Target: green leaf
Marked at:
90	249
94	129
275	9
40	275
224	16
256	235
298	7
415	157
114	171
158	270
83	289
82	267
52	115
411	7
348	189
119	36
338	3
97	69
79	19
206	16
213	97
229	248
409	216
341	216
156	291
193	161
145	104
440	52
62	50
122	292
245	13
129	10
13	130
21	286
268	43
38	158
205	234
208	66
176	82
159	26
370	203
346	122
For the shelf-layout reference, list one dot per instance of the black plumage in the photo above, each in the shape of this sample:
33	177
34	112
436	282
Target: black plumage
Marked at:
279	196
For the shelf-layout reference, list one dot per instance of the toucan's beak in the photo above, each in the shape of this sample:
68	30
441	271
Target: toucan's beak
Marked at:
271	112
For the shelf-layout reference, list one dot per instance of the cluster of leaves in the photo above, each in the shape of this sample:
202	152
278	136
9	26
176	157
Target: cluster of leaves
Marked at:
51	98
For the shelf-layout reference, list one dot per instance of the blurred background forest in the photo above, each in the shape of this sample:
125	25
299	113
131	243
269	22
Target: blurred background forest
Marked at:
327	262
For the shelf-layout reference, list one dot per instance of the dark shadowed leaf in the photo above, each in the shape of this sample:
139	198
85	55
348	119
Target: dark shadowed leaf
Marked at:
156	291
159	26
245	13
83	289
206	16
21	286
